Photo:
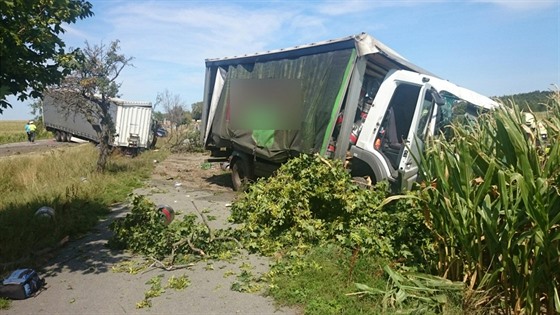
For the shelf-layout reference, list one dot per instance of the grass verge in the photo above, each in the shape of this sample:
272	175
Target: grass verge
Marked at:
319	281
65	180
334	280
13	131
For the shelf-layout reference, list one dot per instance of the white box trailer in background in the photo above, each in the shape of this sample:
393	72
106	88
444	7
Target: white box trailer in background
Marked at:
134	126
133	121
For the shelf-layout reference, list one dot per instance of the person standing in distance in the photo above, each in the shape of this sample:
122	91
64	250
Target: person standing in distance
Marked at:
30	128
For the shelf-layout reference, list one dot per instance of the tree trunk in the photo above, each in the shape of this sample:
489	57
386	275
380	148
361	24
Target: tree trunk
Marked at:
104	139
103	150
102	159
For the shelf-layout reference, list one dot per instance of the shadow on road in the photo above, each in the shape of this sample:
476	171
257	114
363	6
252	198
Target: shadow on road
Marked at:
223	180
89	254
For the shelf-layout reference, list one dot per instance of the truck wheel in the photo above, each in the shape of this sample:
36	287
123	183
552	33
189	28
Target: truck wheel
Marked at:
64	136
58	136
240	174
363	181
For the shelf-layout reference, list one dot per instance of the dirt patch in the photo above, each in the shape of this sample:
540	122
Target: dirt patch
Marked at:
193	171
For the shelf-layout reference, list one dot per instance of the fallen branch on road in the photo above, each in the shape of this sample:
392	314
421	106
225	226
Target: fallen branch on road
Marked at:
158	264
212	237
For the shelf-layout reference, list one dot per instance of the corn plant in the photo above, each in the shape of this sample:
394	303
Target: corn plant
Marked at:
494	202
414	293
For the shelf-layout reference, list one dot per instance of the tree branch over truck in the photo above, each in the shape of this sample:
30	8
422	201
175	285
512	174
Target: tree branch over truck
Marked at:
89	88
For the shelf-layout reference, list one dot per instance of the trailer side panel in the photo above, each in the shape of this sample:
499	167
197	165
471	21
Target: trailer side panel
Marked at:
320	76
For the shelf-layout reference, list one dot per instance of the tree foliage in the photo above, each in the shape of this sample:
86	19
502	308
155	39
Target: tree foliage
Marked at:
90	87
32	52
311	201
159	116
536	101
36	109
143	231
173	106
196	110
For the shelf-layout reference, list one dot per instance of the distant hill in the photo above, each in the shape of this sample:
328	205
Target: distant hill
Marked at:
536	101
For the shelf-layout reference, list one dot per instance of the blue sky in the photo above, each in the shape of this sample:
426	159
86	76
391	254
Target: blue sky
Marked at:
493	47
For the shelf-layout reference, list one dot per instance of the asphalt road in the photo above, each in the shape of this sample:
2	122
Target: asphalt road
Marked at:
28	147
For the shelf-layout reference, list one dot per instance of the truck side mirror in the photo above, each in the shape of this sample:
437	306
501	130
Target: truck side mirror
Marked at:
437	98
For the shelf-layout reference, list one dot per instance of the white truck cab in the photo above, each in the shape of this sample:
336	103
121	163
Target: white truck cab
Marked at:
405	110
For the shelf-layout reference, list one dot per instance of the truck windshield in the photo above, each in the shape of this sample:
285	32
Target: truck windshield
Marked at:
456	109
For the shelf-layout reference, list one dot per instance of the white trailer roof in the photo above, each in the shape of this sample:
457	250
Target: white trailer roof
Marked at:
122	102
364	43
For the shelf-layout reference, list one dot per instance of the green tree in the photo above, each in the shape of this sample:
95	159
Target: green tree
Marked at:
536	101
31	50
93	84
159	116
187	118
173	106
36	109
196	110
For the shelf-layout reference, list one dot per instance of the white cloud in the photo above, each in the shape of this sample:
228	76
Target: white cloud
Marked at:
522	4
303	22
72	31
349	7
170	40
188	34
344	7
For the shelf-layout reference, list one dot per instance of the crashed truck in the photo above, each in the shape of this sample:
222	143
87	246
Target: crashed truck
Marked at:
135	128
353	99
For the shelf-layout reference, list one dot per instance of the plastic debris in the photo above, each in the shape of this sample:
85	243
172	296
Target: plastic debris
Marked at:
167	213
45	213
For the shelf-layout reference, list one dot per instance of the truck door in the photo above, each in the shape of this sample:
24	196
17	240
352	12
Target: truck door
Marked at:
424	116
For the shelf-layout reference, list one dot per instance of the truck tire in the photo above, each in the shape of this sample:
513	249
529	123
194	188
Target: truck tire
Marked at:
68	137
364	183
64	136
58	136
241	174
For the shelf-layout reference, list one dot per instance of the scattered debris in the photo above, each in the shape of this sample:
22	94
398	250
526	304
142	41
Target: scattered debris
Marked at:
167	213
45	212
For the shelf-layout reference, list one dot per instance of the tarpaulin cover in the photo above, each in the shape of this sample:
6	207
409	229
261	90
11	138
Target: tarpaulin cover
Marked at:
323	78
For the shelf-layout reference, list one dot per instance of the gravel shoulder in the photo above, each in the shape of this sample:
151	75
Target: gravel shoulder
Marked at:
80	279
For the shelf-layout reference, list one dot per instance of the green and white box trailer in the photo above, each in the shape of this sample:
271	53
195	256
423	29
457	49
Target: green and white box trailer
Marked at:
352	98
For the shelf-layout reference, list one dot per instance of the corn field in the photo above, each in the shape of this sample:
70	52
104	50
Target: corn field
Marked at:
493	199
